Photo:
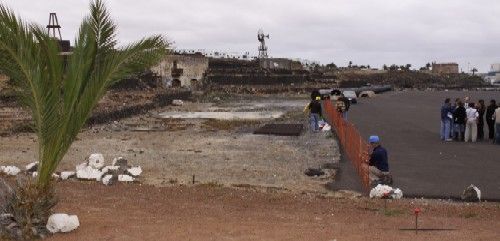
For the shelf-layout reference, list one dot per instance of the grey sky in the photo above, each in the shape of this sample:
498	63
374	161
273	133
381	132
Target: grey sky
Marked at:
366	32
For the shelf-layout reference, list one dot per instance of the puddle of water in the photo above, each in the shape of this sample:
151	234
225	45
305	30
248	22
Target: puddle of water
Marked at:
258	105
222	115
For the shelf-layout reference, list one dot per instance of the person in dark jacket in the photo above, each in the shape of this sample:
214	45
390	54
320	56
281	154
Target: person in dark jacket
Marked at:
490	111
446	117
454	106
314	108
459	117
343	109
481	109
379	165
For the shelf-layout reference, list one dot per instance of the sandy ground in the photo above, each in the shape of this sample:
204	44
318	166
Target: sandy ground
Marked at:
208	151
134	212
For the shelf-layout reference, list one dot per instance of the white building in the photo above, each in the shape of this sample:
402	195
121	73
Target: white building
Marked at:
493	76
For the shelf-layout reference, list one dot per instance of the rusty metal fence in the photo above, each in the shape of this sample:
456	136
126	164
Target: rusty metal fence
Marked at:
353	144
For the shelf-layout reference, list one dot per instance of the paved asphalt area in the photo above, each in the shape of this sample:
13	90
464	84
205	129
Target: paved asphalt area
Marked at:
422	165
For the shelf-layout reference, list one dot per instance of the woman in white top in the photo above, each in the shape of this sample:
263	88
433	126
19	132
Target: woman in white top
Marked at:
471	124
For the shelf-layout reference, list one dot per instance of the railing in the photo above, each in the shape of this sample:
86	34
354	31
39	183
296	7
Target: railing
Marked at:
353	144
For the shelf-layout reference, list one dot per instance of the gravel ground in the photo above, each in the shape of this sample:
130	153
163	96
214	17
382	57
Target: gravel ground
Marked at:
211	152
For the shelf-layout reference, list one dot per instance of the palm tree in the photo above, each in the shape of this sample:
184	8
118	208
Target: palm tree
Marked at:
474	70
61	91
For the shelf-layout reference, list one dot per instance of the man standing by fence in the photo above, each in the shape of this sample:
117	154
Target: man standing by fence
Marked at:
314	108
379	165
343	105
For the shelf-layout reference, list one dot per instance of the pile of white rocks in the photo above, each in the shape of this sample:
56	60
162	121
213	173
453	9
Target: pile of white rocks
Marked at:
10	170
95	169
384	191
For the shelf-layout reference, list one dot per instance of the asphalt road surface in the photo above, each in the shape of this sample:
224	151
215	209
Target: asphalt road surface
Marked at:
422	165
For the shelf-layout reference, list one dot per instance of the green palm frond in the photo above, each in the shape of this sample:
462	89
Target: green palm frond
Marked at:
60	97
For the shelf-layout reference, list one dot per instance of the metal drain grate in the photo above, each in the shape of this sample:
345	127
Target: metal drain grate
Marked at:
280	129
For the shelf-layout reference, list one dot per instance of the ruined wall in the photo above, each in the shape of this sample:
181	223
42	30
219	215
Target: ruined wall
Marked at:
255	72
182	70
449	68
280	63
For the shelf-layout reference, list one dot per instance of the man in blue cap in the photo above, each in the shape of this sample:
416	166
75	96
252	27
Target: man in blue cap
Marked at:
379	165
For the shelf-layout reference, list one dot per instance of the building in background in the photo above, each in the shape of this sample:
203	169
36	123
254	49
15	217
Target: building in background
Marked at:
493	76
182	70
445	68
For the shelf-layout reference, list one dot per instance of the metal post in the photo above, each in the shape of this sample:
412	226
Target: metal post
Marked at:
416	223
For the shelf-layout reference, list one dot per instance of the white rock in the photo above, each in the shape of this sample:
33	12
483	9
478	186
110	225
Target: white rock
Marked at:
34	174
106	180
125	178
106	169
135	171
82	166
11	170
55	176
178	102
381	191
89	173
119	161
96	160
32	167
398	194
61	222
471	194
67	175
478	192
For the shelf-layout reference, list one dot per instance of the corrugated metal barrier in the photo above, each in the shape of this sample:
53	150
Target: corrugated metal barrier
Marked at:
353	144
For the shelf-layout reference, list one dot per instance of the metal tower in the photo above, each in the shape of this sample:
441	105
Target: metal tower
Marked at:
53	25
262	48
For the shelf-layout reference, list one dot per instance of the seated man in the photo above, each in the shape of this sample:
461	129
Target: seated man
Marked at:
379	166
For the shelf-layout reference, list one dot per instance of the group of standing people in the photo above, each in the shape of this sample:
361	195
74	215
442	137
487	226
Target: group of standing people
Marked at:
342	105
464	120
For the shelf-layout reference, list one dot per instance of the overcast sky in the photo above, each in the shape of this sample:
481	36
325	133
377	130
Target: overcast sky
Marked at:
365	32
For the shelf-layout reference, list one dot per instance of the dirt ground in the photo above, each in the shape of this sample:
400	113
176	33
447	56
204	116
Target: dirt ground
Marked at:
203	212
247	187
217	152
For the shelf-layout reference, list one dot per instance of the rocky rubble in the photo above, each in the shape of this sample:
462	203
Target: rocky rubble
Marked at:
384	191
93	169
10	170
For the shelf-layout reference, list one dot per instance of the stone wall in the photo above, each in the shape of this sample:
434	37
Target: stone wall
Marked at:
182	70
448	68
280	63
